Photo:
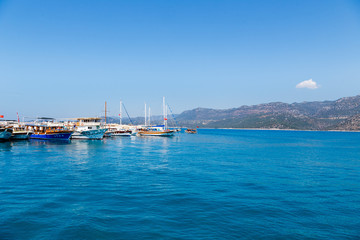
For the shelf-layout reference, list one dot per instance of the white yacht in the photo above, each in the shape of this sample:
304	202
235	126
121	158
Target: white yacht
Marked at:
88	128
113	132
118	129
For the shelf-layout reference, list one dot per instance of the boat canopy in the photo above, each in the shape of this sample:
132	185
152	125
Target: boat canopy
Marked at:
158	126
93	119
35	125
45	118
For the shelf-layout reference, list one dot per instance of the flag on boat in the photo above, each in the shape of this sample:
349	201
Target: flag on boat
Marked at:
165	119
1	116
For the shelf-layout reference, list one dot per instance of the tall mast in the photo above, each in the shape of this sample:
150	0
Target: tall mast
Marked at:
164	112
105	112
120	115
145	114
149	118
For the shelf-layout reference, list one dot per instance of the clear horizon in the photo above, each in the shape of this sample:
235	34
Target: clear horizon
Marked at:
65	58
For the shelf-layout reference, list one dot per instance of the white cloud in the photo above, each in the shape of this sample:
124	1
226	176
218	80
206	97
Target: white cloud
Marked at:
308	84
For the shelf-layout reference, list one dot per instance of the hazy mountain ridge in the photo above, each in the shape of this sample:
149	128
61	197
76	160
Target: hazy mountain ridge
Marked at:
341	114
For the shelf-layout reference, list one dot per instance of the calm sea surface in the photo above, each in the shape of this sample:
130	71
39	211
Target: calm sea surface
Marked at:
218	184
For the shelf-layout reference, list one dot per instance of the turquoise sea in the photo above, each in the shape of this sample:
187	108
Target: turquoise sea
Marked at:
217	184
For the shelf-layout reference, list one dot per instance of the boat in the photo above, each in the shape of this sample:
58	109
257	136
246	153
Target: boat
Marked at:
49	132
88	128
156	131
118	129
113	132
160	130
21	132
191	131
5	133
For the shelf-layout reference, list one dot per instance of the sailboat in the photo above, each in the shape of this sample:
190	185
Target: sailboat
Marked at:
118	129
161	130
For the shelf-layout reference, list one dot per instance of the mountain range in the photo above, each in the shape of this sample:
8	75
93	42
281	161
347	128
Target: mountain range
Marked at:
341	114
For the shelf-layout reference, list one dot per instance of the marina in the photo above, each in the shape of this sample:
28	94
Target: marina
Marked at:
84	128
78	131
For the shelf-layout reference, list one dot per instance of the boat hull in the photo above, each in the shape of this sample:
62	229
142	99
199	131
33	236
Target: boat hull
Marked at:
121	133
190	132
156	133
20	136
5	135
97	134
108	134
118	134
52	136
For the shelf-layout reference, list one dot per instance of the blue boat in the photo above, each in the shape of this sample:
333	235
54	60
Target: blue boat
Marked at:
51	133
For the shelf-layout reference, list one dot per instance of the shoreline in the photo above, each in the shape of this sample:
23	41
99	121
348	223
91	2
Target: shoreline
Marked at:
276	129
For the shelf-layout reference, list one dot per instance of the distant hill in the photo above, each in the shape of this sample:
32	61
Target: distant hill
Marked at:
342	114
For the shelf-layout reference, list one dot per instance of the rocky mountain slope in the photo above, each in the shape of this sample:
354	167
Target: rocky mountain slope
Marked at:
342	114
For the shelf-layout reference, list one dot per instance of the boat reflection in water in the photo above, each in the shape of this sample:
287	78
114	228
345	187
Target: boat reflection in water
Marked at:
43	142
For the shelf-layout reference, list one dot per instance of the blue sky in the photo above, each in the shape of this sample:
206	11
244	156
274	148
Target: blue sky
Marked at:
65	58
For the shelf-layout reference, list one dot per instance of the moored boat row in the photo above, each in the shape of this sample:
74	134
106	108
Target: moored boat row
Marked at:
86	129
82	128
